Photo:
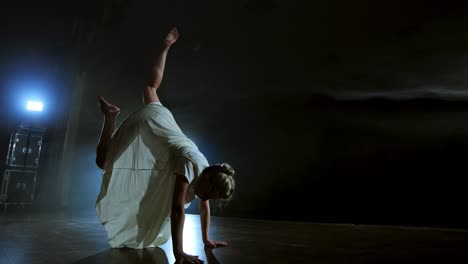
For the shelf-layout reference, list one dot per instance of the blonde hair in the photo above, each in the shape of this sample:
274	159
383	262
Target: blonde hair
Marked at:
221	179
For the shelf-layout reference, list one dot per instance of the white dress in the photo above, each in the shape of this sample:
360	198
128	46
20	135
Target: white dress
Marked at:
145	152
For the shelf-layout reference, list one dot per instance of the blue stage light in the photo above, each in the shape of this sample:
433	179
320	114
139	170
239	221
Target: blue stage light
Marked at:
34	106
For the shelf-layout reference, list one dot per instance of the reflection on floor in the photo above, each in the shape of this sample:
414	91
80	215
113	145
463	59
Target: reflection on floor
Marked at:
80	239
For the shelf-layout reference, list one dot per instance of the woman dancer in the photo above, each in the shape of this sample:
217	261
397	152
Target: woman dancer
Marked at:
151	173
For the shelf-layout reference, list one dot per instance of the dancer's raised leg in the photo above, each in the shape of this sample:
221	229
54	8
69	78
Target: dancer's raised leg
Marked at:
110	115
149	93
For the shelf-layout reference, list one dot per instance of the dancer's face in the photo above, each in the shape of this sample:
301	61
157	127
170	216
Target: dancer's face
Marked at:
204	188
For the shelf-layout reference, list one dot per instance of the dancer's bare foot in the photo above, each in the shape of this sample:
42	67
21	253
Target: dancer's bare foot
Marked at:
108	109
171	37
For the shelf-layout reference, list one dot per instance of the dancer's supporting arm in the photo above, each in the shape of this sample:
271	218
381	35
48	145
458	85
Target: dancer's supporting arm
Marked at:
204	207
177	221
110	115
157	73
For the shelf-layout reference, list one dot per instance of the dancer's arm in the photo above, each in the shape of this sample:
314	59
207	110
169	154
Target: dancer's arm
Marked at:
204	207
177	221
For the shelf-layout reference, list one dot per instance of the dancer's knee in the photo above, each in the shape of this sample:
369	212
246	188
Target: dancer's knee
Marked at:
150	95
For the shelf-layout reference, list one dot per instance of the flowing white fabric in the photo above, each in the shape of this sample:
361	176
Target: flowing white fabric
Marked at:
134	203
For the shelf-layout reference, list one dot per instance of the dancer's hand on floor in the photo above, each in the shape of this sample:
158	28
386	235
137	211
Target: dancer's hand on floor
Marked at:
107	108
213	244
171	37
183	258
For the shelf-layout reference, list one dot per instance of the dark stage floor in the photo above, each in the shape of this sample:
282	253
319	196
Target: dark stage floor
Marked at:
79	238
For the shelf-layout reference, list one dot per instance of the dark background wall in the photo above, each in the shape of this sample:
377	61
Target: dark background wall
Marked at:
337	112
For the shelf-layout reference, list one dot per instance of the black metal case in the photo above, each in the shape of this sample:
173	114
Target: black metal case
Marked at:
24	150
18	187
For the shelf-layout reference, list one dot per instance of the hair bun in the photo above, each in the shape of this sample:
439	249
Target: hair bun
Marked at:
226	168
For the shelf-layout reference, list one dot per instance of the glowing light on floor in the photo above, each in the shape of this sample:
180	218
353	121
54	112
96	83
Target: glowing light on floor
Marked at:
192	234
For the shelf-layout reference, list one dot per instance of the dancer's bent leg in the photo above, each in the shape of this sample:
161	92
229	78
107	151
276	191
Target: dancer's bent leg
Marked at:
110	115
149	93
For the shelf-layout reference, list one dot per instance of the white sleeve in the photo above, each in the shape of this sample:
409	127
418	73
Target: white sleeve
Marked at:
184	167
